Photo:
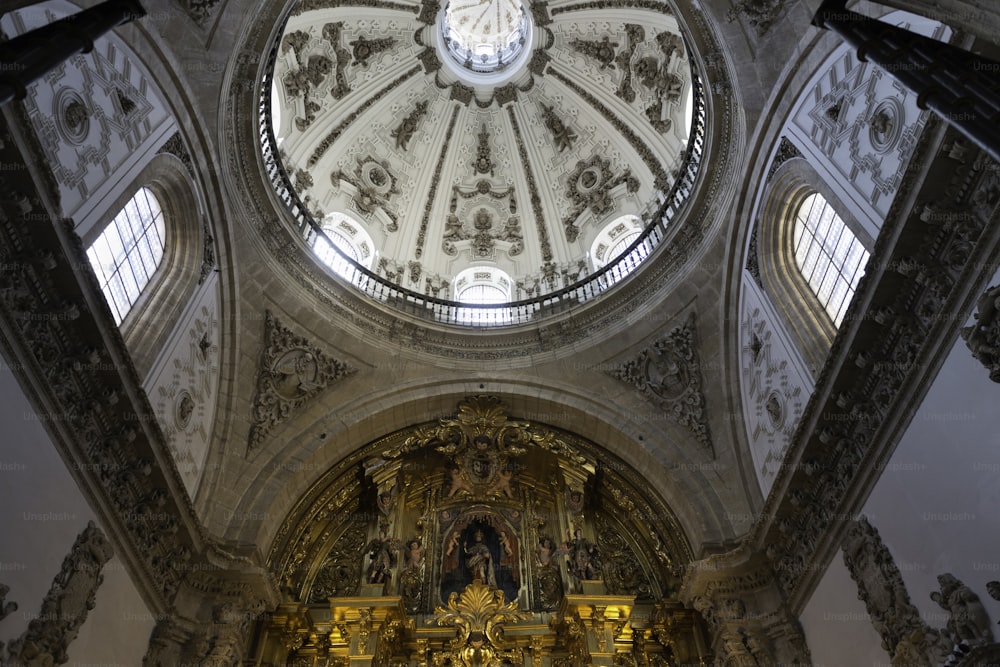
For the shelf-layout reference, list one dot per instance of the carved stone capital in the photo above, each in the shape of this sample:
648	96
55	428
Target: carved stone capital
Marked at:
749	621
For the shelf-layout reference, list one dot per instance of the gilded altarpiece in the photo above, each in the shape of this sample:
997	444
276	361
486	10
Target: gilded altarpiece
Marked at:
480	540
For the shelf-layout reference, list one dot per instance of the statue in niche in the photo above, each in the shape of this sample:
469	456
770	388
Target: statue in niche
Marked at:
479	561
584	561
382	552
968	620
483	548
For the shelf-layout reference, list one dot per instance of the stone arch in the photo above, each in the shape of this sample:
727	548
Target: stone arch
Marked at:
790	293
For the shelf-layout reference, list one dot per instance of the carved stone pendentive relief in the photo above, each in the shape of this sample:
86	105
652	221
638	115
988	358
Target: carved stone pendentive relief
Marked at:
786	151
589	187
292	371
408	126
881	588
481	220
983	337
760	14
200	11
67	603
668	373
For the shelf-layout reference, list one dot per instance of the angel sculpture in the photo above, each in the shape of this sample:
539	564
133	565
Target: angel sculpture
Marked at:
382	552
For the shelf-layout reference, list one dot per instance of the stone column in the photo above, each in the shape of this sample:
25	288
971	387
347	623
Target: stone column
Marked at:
66	605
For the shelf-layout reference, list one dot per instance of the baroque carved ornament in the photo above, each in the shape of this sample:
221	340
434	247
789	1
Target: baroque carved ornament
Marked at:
65	607
669	374
479	614
292	371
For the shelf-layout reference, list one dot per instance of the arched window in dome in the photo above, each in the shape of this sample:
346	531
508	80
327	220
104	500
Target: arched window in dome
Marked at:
128	252
483	285
614	239
828	255
350	238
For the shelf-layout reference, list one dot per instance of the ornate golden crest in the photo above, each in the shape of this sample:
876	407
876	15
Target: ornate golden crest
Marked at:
479	614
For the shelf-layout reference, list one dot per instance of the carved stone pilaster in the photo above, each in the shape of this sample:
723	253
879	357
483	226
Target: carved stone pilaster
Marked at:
668	373
748	617
291	372
983	338
905	636
66	605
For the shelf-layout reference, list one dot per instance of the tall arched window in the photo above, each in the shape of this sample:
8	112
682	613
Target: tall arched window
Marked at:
127	253
828	254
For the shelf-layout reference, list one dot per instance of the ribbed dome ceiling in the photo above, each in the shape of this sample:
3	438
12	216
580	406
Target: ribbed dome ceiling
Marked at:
427	170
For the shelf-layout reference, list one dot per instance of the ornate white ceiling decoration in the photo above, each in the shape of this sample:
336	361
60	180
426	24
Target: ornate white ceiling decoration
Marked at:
446	172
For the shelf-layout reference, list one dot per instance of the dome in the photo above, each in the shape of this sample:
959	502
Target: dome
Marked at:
477	136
